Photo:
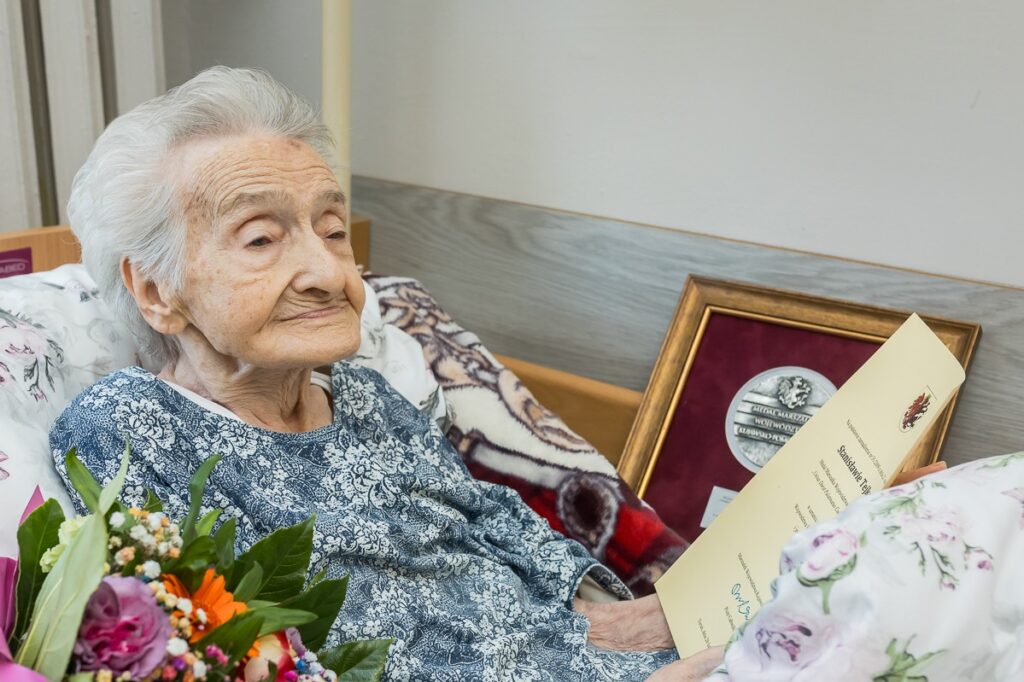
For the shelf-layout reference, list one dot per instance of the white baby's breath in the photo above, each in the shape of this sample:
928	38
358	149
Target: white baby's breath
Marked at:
138	532
155	519
176	646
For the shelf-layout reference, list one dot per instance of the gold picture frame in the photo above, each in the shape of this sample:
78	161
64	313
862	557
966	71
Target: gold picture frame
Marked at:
704	297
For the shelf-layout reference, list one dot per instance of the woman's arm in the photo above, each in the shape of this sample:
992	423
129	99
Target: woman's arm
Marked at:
637	625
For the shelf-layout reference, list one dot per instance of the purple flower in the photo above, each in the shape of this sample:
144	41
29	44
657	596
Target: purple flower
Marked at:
295	639
123	629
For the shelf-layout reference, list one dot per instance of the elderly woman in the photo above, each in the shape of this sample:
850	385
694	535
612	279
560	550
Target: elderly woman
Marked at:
213	224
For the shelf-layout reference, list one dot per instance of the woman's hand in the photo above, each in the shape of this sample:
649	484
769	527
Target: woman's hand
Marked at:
691	669
640	625
909	476
637	625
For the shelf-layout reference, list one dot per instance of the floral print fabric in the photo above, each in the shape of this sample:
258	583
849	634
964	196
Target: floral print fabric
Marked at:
917	583
56	338
470	582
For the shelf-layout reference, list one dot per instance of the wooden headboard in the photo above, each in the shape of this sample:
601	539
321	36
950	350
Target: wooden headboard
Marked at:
602	413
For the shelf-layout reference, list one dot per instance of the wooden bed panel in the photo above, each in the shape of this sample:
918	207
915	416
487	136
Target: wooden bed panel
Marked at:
51	246
600	412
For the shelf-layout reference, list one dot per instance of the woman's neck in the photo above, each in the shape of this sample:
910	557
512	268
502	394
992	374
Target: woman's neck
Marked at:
278	400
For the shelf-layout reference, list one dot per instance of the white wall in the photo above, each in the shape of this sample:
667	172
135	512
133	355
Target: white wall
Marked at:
281	36
886	131
19	186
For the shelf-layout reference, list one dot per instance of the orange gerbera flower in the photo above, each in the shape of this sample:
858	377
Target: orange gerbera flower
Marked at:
217	603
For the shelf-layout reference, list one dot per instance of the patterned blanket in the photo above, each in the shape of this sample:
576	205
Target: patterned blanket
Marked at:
515	441
919	583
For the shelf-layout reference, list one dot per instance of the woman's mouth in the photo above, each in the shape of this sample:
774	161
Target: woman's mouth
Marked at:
320	312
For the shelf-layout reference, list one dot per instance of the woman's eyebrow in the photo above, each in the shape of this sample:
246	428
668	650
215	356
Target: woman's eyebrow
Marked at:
333	196
246	199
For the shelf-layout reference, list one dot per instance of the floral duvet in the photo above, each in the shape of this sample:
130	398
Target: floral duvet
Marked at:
922	583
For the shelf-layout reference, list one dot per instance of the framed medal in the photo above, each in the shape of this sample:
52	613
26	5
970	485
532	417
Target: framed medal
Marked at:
741	369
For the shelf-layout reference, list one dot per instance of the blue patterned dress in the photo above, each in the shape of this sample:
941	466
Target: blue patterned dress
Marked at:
471	583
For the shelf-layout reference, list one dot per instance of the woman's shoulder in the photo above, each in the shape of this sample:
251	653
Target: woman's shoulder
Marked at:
361	392
100	407
124	384
96	423
346	375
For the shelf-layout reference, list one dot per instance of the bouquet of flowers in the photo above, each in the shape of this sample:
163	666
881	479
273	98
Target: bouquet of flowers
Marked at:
131	594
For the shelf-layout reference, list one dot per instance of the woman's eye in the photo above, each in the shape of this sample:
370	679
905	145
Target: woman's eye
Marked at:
339	234
258	242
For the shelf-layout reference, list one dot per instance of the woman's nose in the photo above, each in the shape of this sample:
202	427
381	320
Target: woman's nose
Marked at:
317	266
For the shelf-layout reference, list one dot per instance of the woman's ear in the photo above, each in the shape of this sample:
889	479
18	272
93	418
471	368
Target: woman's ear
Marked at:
158	312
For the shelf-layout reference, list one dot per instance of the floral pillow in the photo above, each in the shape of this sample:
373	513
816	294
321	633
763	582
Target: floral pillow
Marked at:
920	582
56	339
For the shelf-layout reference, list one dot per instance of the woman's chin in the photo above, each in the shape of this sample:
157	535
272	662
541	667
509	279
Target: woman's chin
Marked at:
304	355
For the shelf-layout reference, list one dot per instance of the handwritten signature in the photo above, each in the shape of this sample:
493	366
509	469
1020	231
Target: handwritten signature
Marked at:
742	605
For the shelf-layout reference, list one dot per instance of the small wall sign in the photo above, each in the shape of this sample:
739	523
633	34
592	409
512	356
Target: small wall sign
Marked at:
15	262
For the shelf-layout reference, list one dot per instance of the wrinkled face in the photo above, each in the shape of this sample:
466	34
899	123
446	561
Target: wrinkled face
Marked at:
271	279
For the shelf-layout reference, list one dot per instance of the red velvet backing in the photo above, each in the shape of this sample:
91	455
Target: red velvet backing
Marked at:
695	455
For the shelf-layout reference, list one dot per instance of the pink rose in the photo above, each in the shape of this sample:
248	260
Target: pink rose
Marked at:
23	339
941	528
123	629
830	552
789	642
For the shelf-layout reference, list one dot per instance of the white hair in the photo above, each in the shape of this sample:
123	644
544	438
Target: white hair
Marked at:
123	205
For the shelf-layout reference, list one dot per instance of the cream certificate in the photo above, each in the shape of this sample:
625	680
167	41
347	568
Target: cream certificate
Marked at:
852	446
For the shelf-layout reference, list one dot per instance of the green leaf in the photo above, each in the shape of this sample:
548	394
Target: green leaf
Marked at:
224	538
318	577
205	524
361	661
61	602
110	492
276	618
250	584
323	599
37	534
284	557
234	637
153	503
191	564
82	479
196	555
195	492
